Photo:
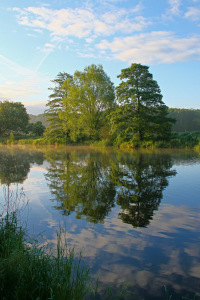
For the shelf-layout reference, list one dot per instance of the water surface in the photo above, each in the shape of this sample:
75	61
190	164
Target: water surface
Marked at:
135	216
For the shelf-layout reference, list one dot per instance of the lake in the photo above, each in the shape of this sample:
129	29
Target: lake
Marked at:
134	215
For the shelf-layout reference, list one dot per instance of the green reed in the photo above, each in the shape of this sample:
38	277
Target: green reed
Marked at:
29	271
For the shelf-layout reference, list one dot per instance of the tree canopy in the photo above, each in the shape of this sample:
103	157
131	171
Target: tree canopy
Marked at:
87	95
141	114
84	107
54	131
13	117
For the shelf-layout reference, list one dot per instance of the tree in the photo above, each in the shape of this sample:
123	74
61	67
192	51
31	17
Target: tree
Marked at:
13	117
141	115
38	128
54	131
87	96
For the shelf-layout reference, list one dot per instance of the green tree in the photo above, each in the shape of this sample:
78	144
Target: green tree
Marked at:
54	131
38	128
141	114
13	117
87	96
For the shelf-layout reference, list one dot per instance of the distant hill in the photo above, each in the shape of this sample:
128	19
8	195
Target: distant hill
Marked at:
186	119
41	117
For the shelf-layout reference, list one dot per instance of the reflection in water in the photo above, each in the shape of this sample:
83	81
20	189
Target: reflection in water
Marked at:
80	183
91	183
136	240
14	169
141	180
15	165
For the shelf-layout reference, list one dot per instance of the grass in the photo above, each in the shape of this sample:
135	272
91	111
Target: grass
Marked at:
29	271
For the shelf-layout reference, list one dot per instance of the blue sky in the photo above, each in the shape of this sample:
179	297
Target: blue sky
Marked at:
39	39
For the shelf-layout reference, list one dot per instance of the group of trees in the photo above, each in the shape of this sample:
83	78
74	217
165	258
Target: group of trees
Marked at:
187	120
86	106
14	119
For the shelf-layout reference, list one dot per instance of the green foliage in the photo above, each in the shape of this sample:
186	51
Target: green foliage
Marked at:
186	119
87	95
29	271
38	128
11	139
185	139
13	117
141	114
54	130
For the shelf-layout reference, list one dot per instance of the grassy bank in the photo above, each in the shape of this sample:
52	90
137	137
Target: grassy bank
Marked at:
177	140
29	271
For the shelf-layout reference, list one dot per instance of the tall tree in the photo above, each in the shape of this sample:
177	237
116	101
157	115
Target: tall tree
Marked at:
54	131
13	117
87	96
141	115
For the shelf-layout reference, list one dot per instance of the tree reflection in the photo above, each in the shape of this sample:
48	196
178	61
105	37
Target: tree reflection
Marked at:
140	181
79	182
15	165
91	183
14	168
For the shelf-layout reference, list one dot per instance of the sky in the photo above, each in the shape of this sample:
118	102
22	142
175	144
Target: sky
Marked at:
39	39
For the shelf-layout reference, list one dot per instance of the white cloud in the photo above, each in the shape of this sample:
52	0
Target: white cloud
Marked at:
82	23
49	45
11	65
14	91
174	7
153	48
193	13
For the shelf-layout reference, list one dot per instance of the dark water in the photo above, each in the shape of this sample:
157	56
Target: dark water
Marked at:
135	216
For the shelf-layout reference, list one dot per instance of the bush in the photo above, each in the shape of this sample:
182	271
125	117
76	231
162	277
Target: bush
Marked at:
11	139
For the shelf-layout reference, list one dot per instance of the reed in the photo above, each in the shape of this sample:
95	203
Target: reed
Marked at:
29	271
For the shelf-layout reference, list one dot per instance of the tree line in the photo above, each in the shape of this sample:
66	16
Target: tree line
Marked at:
187	120
87	107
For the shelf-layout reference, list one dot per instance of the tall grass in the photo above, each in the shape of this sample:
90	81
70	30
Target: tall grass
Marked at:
31	271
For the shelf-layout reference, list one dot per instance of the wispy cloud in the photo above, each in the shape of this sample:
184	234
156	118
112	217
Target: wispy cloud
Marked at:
193	13
25	82
82	23
11	65
173	9
153	48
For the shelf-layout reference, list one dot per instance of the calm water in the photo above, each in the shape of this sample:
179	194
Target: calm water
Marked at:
135	216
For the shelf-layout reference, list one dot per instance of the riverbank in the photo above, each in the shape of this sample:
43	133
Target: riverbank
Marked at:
177	140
